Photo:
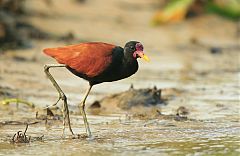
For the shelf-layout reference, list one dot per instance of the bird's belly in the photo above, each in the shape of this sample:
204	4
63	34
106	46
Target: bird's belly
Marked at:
106	76
82	75
112	76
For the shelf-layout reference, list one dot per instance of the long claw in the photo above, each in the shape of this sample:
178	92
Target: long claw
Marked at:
59	98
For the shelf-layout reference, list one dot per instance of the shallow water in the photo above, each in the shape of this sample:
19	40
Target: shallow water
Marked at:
122	136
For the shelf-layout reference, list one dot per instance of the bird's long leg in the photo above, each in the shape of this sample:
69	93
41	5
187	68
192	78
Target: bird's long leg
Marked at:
46	70
61	95
82	109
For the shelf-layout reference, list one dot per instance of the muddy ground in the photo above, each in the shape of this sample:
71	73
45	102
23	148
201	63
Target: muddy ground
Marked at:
184	64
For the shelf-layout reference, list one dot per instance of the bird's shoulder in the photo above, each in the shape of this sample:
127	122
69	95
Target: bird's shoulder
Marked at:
118	53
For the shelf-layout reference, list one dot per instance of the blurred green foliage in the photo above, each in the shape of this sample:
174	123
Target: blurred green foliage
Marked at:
229	9
178	10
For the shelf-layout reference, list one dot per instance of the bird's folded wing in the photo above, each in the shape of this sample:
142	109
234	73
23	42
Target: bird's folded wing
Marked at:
90	59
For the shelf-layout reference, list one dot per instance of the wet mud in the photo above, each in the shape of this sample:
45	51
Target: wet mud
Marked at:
129	99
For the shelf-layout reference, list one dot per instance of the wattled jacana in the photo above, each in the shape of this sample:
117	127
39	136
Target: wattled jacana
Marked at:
95	62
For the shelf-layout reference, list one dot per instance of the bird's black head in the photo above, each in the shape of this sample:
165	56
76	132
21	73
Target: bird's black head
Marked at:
134	49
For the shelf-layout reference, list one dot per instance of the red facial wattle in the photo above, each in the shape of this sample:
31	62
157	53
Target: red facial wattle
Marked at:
139	52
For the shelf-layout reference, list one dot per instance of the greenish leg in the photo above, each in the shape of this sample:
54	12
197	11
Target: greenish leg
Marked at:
61	95
82	109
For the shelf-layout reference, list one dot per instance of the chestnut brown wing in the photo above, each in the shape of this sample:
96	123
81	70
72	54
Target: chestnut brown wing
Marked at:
90	59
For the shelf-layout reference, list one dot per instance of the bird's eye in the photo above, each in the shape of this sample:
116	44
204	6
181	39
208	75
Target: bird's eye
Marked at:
132	48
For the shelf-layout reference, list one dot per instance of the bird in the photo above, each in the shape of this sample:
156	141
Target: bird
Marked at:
95	62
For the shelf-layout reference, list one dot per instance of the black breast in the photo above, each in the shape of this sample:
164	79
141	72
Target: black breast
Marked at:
120	68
